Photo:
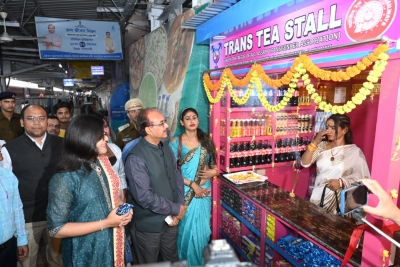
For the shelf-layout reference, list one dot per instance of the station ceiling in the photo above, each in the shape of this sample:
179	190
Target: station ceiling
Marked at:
22	56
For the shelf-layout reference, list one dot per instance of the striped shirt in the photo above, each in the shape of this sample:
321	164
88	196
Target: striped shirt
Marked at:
12	222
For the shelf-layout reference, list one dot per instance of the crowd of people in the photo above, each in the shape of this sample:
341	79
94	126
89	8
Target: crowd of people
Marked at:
63	181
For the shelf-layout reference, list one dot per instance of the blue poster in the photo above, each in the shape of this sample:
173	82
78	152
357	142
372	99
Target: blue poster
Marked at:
118	99
78	39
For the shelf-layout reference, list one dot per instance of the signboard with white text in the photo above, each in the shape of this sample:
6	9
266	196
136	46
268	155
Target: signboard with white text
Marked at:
78	39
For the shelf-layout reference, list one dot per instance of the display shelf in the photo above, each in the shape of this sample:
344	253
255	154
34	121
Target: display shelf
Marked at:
291	218
244	256
282	253
249	168
249	138
258	109
241	219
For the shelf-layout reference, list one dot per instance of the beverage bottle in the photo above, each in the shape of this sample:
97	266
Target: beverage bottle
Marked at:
277	152
287	150
223	99
231	129
269	153
222	128
239	156
239	126
295	98
257	127
269	125
233	103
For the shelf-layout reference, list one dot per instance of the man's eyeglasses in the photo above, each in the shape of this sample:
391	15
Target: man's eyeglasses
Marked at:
33	118
162	123
133	111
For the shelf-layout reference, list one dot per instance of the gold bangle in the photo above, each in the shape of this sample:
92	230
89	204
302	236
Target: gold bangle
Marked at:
313	145
311	148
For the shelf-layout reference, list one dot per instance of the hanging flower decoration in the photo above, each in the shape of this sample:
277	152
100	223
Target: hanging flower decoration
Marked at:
283	103
373	77
299	69
351	71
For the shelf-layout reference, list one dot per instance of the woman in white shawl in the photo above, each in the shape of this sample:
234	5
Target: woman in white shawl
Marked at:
340	163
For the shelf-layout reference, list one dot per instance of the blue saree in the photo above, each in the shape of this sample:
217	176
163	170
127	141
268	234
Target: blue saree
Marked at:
194	229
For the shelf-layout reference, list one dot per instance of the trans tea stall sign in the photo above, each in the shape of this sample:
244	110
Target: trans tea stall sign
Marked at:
318	26
78	39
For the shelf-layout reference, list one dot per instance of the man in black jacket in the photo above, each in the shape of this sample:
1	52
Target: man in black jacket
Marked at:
157	188
32	157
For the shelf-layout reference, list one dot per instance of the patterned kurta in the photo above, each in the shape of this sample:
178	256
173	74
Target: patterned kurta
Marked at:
79	197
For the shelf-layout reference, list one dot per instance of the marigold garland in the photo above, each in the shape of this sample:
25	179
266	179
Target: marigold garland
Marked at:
301	65
357	99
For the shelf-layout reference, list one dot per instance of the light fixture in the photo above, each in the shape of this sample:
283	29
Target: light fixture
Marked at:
60	65
219	37
101	9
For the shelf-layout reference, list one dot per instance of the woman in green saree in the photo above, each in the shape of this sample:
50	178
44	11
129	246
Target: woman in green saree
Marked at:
196	156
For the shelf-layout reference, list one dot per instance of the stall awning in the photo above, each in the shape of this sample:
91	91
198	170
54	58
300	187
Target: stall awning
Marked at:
223	15
209	11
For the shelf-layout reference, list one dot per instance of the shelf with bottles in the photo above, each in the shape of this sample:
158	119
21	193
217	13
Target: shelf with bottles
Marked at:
245	154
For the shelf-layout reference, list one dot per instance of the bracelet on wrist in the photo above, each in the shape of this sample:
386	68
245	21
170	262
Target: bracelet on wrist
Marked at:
311	148
101	225
313	145
341	184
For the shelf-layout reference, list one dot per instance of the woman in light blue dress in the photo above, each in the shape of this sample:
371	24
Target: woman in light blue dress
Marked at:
195	152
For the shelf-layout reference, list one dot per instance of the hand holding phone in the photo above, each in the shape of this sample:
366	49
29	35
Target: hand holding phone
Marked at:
353	197
124	209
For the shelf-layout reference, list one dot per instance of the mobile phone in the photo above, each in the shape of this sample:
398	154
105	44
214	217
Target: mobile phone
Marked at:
353	197
169	219
207	192
124	209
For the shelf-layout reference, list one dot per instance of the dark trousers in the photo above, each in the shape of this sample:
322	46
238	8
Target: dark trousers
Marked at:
8	254
149	247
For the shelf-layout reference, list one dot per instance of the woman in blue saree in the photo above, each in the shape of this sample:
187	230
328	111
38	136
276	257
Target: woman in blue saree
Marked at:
195	152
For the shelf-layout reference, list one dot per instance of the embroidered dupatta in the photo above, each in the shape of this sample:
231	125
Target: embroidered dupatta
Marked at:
112	200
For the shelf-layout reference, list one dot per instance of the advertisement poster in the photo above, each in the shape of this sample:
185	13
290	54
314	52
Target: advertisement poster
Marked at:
158	65
118	99
318	26
78	39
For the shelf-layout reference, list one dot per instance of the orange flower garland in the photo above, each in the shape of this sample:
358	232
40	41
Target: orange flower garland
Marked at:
227	78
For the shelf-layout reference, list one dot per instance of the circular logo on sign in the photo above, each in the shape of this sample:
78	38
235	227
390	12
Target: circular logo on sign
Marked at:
367	19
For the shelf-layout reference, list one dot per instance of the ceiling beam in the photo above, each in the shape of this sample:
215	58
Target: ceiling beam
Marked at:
25	70
20	54
170	9
128	9
19	49
25	60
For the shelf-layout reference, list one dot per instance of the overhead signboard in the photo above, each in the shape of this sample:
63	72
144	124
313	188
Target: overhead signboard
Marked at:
68	82
78	39
97	70
322	25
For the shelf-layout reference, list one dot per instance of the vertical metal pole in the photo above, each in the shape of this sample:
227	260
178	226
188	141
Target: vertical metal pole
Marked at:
2	79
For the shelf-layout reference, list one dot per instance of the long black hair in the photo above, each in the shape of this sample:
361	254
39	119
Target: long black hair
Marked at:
342	121
203	138
82	134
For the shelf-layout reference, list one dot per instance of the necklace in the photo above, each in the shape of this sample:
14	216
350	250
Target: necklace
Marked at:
333	156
